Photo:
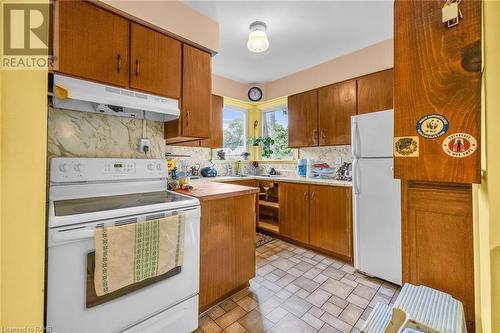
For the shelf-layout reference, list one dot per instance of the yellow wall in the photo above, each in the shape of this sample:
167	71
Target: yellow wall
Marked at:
254	118
23	136
487	195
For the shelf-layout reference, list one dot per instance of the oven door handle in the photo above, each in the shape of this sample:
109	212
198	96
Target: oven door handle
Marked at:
66	236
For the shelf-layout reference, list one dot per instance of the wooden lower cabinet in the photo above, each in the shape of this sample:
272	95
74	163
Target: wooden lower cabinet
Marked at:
330	224
227	247
437	238
294	211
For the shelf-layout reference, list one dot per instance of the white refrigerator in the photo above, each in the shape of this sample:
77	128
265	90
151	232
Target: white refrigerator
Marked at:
376	197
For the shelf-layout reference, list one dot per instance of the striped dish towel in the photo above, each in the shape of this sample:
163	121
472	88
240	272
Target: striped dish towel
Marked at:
135	252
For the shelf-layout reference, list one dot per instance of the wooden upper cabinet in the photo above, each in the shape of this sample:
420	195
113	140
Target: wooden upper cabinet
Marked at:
294	211
303	119
196	93
376	92
91	43
155	62
336	105
216	133
441	76
437	239
331	220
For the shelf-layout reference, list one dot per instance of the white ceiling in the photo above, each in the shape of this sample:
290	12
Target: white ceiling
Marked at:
301	34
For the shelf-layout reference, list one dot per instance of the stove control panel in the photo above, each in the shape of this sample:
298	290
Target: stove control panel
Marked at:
64	169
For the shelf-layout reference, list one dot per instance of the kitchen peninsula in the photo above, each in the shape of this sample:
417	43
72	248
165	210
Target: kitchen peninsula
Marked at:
227	239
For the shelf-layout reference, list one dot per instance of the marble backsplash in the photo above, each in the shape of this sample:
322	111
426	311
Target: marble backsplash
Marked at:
203	157
84	134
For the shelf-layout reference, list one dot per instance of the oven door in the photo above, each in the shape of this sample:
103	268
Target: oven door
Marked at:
72	306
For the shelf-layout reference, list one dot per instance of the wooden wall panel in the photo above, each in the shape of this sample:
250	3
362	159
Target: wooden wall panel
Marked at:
437	70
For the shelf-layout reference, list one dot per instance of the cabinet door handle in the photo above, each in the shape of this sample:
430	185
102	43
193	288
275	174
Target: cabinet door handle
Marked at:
137	67
315	136
118	62
187	118
305	195
313	195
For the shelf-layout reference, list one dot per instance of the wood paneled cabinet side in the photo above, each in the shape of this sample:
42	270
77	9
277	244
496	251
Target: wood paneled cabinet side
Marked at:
216	132
227	247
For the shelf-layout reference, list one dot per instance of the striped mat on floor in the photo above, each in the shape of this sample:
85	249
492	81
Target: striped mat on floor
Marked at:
262	239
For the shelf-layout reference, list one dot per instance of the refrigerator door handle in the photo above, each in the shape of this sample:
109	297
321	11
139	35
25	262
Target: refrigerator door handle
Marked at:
355	137
355	178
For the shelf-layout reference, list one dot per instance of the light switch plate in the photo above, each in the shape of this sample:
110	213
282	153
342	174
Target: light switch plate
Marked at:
143	144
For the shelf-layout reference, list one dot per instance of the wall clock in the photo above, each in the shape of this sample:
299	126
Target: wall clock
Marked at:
255	94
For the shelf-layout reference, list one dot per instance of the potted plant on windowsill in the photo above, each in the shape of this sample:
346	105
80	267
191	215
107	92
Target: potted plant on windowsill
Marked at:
266	143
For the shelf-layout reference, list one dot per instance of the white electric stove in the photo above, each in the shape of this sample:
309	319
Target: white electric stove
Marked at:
86	193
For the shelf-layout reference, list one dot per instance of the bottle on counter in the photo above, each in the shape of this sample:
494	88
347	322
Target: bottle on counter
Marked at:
302	167
310	168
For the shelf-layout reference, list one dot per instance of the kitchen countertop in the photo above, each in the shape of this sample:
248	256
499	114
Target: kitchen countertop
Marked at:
210	190
293	179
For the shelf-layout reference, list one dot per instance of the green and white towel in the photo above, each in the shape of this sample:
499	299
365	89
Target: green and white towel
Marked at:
135	252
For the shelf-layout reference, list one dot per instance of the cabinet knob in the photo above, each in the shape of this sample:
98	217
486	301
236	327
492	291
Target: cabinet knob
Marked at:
137	67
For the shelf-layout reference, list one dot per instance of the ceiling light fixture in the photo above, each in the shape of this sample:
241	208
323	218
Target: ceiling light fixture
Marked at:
257	39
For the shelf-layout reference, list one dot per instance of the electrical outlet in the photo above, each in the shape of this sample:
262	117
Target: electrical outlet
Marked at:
145	145
338	160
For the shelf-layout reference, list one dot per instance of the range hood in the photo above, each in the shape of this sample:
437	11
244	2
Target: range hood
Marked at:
80	95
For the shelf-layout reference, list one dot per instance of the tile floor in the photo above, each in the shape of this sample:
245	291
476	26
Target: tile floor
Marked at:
299	291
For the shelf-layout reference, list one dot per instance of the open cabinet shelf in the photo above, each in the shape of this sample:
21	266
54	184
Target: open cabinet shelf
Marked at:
268	219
